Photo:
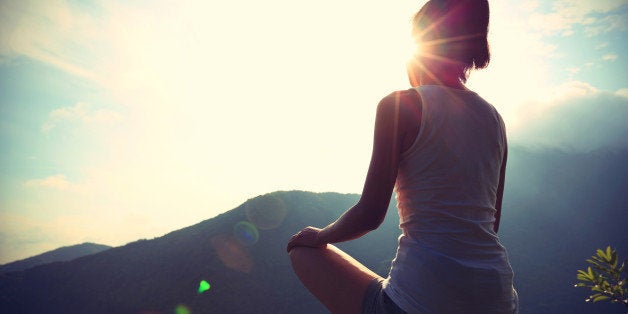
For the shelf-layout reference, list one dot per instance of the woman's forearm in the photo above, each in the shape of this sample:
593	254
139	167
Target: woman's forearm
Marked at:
354	223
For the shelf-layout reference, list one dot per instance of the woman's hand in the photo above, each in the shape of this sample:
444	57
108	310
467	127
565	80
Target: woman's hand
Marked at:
307	237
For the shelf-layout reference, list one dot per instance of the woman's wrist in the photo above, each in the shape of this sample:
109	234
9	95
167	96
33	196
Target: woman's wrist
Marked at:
321	236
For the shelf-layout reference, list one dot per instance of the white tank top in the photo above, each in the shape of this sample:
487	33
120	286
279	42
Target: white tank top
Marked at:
449	259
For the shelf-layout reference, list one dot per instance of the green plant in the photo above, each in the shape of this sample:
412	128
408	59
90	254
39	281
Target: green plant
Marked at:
605	277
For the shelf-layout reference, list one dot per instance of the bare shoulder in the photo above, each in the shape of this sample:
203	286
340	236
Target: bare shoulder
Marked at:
406	103
402	110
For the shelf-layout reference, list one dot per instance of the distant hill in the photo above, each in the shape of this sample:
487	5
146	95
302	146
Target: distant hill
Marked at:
559	207
62	254
248	269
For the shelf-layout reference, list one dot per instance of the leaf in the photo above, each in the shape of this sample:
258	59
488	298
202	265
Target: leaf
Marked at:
583	277
597	259
594	262
600	269
605	279
582	272
608	252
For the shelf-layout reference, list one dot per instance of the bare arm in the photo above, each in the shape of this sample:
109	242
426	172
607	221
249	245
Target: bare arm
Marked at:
396	126
370	210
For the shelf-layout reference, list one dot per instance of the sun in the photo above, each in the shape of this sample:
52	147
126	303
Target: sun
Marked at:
409	49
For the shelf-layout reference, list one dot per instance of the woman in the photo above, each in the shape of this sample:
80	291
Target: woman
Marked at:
443	148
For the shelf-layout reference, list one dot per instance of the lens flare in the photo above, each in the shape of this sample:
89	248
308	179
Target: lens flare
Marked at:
203	286
231	253
246	233
266	211
182	309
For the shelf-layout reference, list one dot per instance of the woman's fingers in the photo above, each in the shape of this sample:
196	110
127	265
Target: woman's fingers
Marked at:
307	237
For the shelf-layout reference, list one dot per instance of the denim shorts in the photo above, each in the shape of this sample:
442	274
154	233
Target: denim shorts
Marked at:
377	302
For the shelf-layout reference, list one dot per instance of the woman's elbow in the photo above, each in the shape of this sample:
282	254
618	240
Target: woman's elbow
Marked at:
370	216
373	222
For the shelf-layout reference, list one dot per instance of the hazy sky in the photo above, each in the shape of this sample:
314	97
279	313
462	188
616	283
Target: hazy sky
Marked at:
122	120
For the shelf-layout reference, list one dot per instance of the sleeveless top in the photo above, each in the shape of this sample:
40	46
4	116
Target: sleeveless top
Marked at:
449	259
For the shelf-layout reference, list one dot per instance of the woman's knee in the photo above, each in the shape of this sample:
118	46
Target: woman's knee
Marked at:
300	255
295	254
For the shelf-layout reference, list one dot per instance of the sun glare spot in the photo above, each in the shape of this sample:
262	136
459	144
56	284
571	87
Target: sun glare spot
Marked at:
203	286
182	309
246	233
266	211
407	50
232	253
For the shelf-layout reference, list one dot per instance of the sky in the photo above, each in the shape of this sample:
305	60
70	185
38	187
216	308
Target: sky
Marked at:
122	120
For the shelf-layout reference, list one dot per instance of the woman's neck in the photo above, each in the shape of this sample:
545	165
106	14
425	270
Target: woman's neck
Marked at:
449	81
442	73
435	73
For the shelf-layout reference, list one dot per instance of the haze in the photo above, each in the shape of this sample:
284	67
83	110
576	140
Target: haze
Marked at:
124	120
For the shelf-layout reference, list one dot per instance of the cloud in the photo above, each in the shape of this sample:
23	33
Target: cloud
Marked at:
623	92
219	104
601	46
51	32
595	16
55	182
83	113
606	24
610	57
579	117
521	55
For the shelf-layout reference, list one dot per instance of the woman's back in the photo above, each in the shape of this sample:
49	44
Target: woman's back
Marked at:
449	185
449	257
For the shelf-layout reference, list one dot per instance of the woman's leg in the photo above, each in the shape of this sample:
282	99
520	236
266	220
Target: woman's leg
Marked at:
336	279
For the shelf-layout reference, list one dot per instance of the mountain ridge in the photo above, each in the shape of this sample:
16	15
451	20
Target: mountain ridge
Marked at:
126	279
558	208
61	254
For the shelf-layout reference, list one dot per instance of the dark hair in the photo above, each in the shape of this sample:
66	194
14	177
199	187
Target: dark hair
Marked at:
454	30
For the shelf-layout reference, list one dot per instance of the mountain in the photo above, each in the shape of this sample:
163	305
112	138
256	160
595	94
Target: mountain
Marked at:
240	253
62	254
559	207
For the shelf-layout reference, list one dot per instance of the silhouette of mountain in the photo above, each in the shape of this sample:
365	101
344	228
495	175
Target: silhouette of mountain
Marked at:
240	253
559	207
61	254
